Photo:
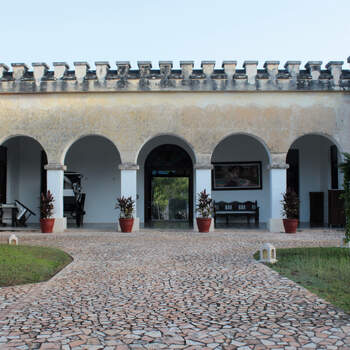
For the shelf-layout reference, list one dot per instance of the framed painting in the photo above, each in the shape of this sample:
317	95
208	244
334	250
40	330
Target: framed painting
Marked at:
237	176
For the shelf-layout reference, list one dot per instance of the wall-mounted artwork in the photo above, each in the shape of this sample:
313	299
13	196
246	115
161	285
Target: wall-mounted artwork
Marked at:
237	176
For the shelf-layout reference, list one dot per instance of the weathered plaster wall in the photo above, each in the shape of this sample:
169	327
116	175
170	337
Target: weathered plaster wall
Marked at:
203	119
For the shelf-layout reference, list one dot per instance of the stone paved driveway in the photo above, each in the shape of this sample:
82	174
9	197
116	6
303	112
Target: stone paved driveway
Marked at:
169	290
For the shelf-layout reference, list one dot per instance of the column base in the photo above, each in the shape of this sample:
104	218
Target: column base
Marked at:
195	227
275	225
60	225
135	226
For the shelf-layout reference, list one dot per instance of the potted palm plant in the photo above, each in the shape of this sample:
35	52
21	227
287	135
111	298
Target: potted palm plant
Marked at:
126	219
46	211
204	208
290	210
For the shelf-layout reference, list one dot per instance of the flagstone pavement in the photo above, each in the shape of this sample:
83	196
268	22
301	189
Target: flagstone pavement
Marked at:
170	290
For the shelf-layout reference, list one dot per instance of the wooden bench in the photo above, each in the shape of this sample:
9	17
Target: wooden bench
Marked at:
248	209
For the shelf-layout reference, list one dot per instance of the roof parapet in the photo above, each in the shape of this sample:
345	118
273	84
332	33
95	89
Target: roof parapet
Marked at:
314	69
60	69
208	78
39	70
272	69
123	68
208	68
102	68
19	70
3	69
335	68
251	69
81	69
186	68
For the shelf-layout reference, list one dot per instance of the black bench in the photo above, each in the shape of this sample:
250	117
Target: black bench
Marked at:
73	207
248	209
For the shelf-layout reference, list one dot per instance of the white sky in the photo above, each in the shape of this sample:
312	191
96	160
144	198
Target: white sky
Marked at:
85	30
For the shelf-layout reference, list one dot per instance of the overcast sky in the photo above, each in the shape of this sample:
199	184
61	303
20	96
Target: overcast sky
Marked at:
85	30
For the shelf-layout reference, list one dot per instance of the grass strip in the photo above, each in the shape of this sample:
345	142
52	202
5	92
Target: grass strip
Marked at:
28	264
323	271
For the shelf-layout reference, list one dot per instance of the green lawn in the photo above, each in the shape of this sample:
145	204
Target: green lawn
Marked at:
323	271
26	264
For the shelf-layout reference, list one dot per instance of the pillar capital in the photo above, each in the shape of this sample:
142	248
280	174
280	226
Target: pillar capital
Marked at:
278	161
128	166
55	166
203	166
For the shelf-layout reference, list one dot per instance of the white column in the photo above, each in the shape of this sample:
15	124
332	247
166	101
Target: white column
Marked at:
278	184
203	182
128	184
55	174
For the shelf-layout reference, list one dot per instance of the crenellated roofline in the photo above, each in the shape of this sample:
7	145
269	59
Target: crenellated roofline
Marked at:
227	78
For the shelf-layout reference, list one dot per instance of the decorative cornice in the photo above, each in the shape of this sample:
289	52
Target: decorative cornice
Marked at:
207	78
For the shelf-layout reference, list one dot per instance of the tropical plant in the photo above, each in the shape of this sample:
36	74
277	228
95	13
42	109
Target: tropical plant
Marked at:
126	206
205	204
345	169
290	204
46	205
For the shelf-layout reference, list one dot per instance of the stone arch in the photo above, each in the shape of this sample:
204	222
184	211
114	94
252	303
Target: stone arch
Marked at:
168	138
95	160
23	176
325	135
313	159
237	157
68	145
257	138
34	138
158	140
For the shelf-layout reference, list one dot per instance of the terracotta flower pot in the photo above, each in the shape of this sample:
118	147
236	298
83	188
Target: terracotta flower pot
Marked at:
290	225
203	224
126	224
46	225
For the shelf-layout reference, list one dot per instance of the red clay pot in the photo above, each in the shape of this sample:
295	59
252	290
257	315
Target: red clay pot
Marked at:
46	225
203	224
126	224
290	225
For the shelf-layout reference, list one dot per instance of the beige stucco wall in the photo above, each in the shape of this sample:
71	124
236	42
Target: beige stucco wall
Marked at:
202	119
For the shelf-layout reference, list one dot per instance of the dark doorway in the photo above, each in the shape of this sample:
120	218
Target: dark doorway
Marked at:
168	188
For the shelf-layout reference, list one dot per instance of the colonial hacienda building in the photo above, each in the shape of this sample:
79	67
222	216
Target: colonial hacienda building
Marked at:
242	134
